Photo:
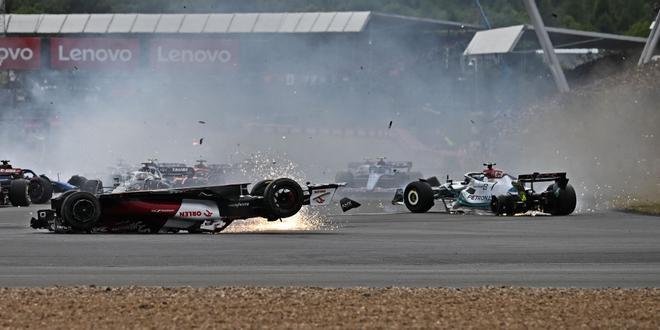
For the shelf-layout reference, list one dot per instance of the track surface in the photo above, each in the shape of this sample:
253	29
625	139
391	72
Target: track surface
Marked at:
590	250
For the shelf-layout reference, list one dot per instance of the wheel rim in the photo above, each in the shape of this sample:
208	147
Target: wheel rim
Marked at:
83	210
413	197
285	198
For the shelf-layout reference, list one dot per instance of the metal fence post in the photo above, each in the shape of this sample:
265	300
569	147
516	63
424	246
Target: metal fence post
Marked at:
546	44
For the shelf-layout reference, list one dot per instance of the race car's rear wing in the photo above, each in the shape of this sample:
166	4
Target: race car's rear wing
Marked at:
176	171
559	177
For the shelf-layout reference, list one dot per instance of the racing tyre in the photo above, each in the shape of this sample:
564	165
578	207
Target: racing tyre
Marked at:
81	210
92	186
77	181
418	197
565	200
40	190
260	187
495	206
507	204
19	193
283	198
345	177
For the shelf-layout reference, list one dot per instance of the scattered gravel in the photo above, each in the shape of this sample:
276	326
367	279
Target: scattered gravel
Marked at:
164	308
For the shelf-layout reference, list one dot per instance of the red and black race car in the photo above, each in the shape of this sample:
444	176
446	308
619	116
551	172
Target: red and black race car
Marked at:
22	187
194	209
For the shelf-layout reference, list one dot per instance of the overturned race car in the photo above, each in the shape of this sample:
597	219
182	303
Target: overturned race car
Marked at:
494	190
195	209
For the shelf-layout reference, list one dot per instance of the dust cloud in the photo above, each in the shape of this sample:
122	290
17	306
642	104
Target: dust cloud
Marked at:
316	103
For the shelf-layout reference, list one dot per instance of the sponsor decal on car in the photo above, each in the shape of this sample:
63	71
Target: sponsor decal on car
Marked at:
198	210
240	204
479	197
321	196
188	214
163	211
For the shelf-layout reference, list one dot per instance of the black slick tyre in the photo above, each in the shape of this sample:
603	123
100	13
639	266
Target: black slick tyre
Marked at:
495	205
565	200
19	193
506	205
283	198
418	197
40	190
77	180
81	210
260	187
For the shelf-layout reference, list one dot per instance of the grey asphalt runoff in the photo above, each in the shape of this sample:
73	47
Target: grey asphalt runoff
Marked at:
608	249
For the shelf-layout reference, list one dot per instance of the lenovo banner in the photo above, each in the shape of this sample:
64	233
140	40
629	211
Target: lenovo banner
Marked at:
20	53
94	53
198	53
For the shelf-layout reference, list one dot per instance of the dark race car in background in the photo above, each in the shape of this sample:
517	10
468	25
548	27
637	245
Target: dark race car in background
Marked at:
379	173
493	190
195	209
375	180
175	173
147	177
22	187
203	174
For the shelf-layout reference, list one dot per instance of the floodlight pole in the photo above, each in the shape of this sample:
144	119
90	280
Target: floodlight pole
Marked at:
651	42
3	11
546	44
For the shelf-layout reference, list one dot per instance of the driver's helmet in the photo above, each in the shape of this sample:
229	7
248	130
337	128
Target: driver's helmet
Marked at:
493	173
141	176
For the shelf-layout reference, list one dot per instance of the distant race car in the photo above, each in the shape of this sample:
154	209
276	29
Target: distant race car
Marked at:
148	177
175	173
493	190
378	173
22	187
210	208
204	174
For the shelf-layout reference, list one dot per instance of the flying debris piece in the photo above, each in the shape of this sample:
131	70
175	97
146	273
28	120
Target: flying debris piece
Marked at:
347	204
390	125
195	143
201	141
201	122
472	121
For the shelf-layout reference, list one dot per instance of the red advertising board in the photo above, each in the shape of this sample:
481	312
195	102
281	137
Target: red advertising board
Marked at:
20	53
172	53
94	53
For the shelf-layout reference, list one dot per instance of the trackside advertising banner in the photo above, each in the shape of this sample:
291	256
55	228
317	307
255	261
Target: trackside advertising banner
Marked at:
20	53
207	54
94	53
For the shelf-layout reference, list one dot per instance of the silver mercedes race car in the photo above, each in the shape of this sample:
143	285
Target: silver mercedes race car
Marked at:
494	190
